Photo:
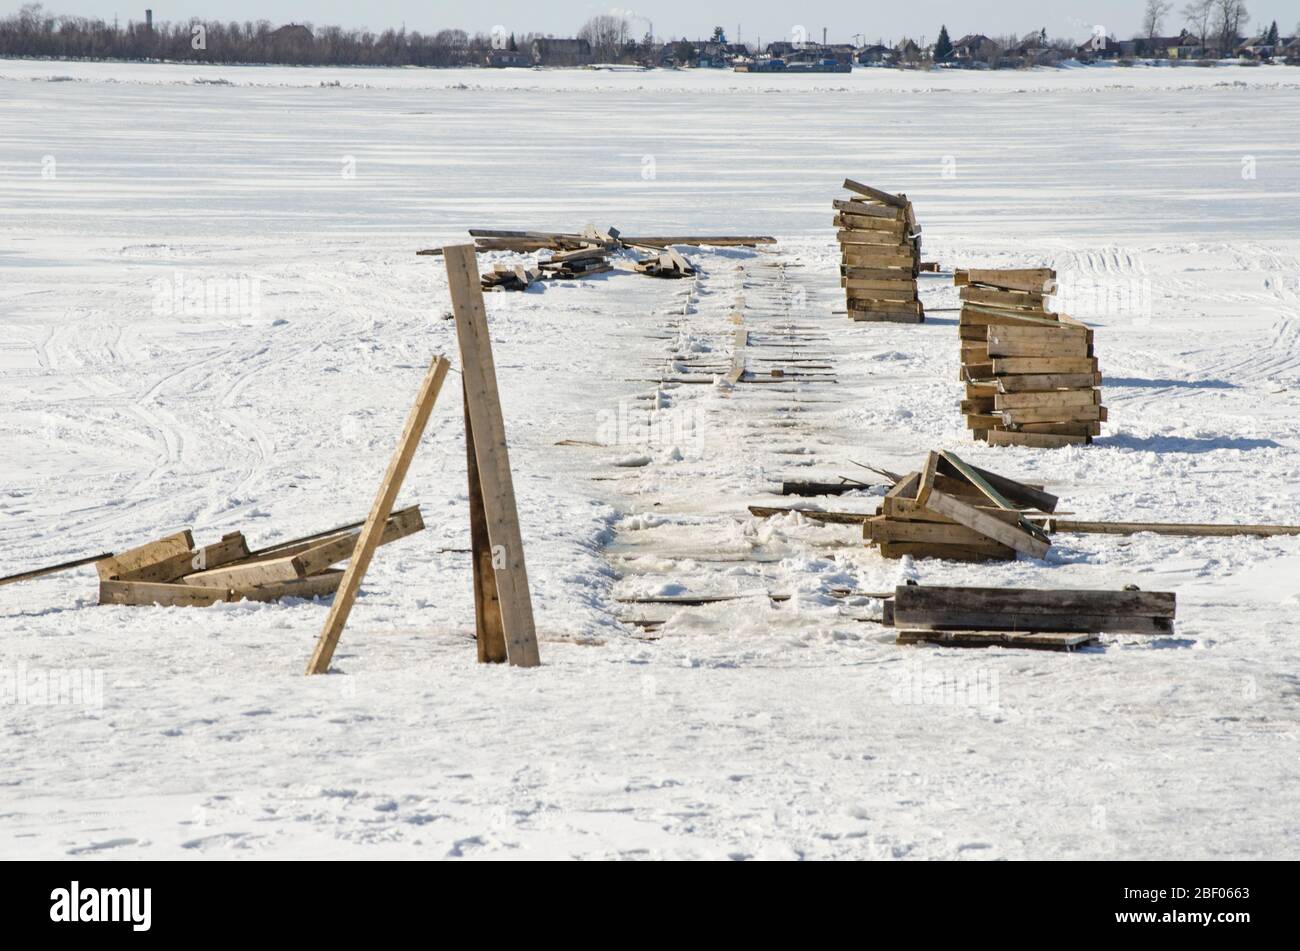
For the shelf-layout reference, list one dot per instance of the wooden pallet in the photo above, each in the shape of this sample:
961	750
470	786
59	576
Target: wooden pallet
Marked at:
1031	374
880	255
952	510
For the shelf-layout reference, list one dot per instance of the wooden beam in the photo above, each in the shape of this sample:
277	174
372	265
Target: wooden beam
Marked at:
53	569
499	507
150	553
995	529
1189	530
867	191
380	510
489	634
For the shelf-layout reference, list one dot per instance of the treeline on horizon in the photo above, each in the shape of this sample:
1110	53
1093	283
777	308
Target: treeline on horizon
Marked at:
32	32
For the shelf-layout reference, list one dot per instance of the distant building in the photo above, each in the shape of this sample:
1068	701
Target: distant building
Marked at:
502	59
550	52
1259	48
291	33
971	48
1104	47
1185	45
876	55
719	55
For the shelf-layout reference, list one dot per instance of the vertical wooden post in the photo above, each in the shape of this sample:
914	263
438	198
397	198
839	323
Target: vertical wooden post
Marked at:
373	530
483	405
489	634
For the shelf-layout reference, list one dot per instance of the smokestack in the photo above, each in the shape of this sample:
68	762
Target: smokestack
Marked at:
823	36
148	20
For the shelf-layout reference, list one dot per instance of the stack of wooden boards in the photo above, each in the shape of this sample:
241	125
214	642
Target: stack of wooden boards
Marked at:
580	262
667	263
1031	375
951	509
508	277
173	572
880	248
1025	617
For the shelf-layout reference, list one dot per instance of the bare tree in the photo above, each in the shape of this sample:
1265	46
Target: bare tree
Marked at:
1154	16
607	35
1230	17
1197	13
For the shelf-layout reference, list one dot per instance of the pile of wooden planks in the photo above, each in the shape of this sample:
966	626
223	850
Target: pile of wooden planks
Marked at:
666	263
580	262
953	510
510	277
880	249
1031	375
1025	617
172	572
611	239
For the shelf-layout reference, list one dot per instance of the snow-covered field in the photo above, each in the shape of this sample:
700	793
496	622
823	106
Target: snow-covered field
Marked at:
1168	201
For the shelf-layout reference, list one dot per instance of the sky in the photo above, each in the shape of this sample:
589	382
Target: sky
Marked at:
755	19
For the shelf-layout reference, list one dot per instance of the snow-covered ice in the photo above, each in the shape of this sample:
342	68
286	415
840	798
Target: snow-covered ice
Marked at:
1167	199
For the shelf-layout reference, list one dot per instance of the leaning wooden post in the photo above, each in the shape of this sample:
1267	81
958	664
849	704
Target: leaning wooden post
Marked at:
373	531
486	430
488	633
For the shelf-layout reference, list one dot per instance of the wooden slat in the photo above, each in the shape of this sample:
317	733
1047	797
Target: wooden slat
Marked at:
1043	640
965	514
875	194
499	506
1019	493
1016	279
150	553
383	505
53	569
1055	602
1189	530
317	586
146	593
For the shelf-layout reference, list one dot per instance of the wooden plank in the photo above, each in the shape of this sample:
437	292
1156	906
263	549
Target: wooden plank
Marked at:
1047	399
1000	620
316	586
500	510
1084	428
865	255
879	274
150	553
53	569
231	547
903	289
864	210
146	593
977	315
925	487
1033	303
1044	640
989	551
489	633
1016	279
1073	346
907	508
883	529
1042	382
389	486
1049	414
1057	603
1018	493
972	517
1044	365
1000	437
834	518
875	194
868	305
814	489
1188	530
717	241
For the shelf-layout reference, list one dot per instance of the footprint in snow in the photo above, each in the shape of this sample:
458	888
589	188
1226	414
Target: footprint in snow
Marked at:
105	846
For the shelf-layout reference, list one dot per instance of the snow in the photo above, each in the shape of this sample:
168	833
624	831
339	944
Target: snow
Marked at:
1166	199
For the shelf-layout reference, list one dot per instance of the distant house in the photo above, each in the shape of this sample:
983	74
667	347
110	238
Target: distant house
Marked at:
1185	45
291	33
719	55
1099	47
551	52
876	55
502	59
781	48
971	48
1259	48
907	52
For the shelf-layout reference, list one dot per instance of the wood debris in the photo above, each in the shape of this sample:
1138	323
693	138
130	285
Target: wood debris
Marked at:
1031	375
172	572
950	509
880	249
507	277
1025	617
667	263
